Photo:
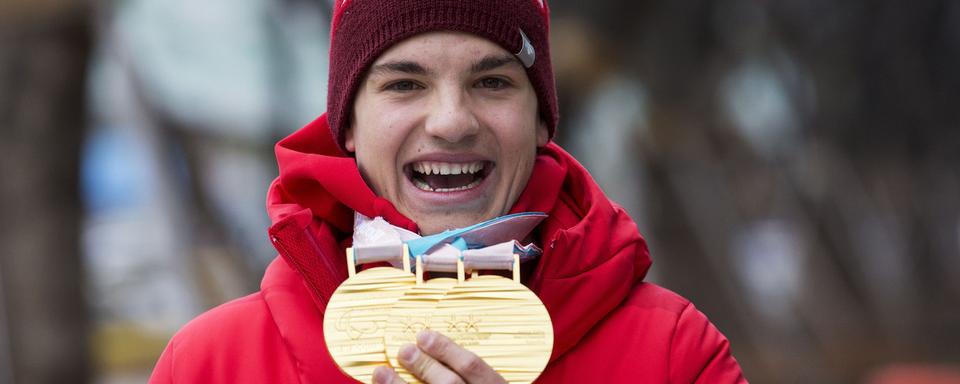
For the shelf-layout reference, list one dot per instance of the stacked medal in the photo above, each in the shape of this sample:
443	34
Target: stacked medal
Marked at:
378	310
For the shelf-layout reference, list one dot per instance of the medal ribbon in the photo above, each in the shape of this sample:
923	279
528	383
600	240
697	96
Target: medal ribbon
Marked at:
488	245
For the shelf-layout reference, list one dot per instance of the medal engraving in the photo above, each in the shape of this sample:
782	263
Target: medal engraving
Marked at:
356	318
411	314
501	321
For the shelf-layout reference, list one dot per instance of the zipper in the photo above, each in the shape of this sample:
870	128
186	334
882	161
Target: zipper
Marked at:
324	285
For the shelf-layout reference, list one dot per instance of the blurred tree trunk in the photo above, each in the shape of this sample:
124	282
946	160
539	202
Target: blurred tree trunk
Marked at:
867	185
44	47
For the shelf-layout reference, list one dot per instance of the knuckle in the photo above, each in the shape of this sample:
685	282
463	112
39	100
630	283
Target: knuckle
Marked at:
433	372
424	366
472	365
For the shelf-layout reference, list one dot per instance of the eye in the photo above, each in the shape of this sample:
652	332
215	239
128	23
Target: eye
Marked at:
493	83
403	86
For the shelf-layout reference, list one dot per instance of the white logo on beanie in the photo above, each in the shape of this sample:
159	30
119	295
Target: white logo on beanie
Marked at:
526	55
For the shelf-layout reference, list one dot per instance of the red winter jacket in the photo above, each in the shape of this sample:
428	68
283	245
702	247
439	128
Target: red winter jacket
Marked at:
609	325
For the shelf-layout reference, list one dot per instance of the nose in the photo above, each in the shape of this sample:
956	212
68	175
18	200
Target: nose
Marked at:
452	118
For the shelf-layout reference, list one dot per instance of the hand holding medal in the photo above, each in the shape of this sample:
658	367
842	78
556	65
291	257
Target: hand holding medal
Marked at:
496	318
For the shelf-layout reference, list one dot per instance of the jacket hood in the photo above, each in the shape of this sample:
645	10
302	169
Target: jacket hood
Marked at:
593	252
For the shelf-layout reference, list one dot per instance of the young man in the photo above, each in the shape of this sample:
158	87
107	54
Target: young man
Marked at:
440	116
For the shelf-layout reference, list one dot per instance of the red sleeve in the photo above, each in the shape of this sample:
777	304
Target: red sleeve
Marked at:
163	371
699	353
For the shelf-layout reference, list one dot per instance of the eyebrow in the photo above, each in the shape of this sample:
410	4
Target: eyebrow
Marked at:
492	62
413	68
408	67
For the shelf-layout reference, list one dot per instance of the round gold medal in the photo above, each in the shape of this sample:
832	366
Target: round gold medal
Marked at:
501	321
356	315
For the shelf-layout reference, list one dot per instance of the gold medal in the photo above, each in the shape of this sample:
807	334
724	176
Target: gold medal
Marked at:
500	320
411	314
356	316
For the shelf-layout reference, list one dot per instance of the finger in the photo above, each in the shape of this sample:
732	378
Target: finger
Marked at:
464	363
386	375
425	367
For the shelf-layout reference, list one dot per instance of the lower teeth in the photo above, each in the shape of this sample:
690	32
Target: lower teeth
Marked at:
426	187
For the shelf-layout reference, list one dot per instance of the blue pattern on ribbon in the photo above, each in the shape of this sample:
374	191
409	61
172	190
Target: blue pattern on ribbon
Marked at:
455	237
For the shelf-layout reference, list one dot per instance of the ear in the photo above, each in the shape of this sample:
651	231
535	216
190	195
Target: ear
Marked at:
543	135
348	141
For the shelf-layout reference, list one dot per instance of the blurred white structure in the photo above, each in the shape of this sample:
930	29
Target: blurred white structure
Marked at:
188	98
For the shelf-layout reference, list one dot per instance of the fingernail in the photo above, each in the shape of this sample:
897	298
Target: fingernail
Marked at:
425	338
408	353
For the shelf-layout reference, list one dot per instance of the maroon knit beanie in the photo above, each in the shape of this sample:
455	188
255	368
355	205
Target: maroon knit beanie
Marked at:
364	29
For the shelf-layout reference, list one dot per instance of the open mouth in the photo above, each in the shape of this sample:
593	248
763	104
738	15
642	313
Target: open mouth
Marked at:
437	176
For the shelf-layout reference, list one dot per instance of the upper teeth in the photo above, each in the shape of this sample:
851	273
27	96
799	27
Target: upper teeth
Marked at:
439	168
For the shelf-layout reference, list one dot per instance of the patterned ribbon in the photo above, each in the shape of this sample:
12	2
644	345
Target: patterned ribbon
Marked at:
489	245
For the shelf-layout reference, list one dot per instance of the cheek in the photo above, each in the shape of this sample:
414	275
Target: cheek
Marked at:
375	147
516	121
518	133
517	139
374	132
378	149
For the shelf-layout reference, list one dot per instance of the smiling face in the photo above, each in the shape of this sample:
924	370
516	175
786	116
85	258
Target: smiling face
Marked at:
446	127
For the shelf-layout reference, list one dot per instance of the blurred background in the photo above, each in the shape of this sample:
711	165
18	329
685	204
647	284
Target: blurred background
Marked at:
793	165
